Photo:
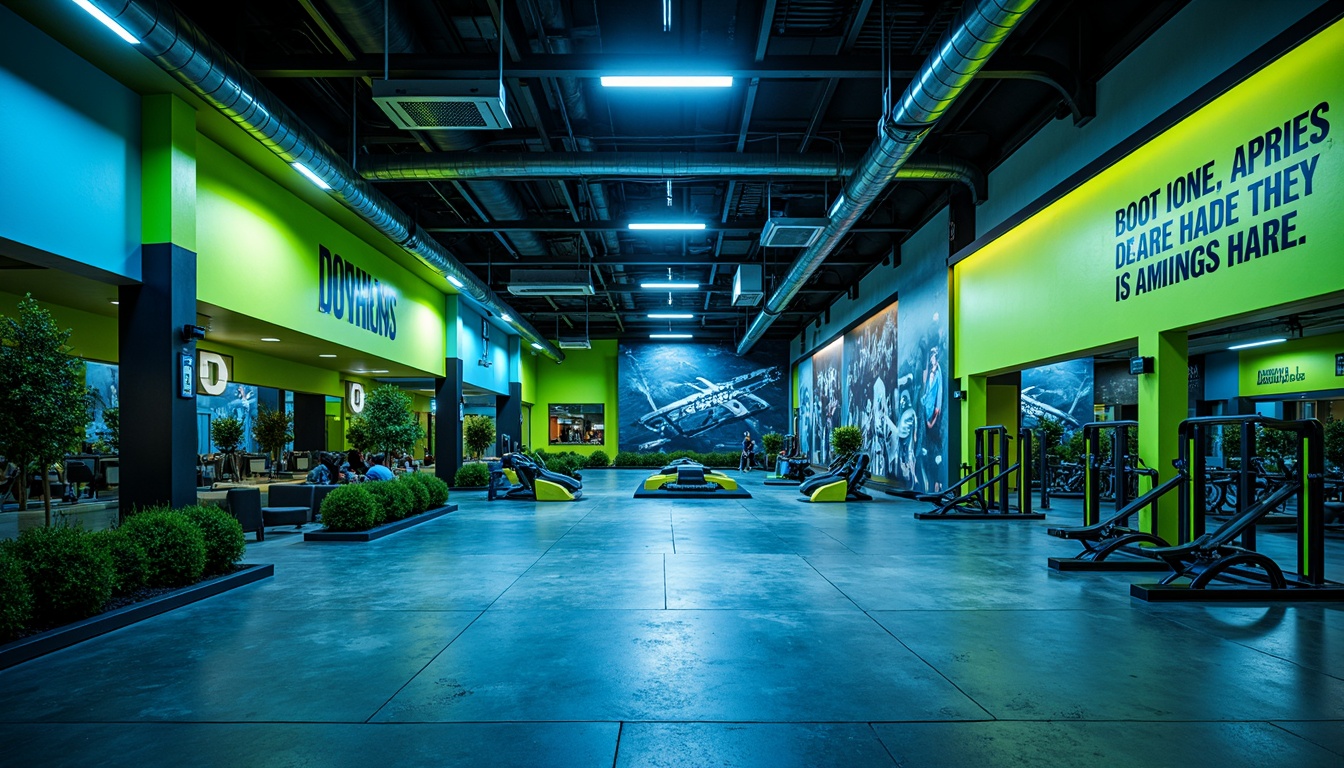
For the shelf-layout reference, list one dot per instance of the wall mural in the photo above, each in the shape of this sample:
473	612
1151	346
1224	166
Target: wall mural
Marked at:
871	386
1062	392
238	401
925	368
699	397
827	394
102	379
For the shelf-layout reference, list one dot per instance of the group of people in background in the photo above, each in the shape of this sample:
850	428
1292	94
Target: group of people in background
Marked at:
349	467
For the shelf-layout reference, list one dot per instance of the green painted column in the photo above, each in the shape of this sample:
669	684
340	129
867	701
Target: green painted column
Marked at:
1163	405
974	414
158	439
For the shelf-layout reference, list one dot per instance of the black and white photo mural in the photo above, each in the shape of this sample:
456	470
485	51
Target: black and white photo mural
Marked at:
1062	392
871	389
700	397
827	398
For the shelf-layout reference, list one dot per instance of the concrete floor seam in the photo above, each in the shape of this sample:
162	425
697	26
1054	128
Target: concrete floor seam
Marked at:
426	665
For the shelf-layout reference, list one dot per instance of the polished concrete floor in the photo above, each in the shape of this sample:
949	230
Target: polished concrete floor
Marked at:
619	632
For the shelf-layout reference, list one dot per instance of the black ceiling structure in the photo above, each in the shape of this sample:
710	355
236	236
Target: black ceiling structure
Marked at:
809	80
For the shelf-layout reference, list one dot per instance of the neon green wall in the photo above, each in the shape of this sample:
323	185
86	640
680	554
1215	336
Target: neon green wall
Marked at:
1047	289
1003	408
259	256
527	364
1309	363
586	376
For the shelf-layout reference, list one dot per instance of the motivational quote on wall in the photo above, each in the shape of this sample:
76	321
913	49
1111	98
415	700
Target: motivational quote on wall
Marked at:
1219	217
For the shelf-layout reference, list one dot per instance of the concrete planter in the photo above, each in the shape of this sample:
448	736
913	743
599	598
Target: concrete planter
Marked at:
382	530
27	648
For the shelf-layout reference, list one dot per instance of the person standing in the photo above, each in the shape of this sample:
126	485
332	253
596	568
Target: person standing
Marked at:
748	448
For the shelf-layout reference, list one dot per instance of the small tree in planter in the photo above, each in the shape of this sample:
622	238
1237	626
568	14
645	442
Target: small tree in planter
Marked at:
357	435
773	443
44	404
846	439
1334	443
388	424
226	433
272	430
112	420
479	434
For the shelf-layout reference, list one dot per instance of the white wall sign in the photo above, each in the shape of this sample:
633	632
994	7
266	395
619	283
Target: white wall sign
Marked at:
354	396
212	372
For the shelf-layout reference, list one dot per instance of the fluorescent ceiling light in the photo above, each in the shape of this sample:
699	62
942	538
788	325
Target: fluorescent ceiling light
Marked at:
667	81
505	317
670	316
670	286
313	177
269	338
535	345
326	355
1257	343
666	225
380	370
456	283
107	21
113	302
671	336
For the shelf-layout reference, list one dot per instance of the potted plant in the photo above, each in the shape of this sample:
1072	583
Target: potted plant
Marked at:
387	424
44	404
273	429
773	443
226	433
478	432
846	439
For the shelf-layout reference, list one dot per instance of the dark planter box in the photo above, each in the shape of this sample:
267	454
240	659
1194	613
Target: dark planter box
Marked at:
27	648
382	530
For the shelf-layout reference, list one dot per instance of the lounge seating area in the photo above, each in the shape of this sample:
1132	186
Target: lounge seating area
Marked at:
286	504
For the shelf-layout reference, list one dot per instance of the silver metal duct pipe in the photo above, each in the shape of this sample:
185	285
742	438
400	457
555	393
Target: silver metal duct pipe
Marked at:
498	198
980	29
654	165
177	45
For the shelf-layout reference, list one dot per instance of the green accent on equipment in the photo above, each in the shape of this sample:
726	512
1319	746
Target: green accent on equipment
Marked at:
836	491
548	491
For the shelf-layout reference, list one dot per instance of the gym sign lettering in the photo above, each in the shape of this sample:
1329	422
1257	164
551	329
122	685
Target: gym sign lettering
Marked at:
347	292
212	372
1282	375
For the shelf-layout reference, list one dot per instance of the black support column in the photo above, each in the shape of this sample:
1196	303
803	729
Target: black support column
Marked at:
158	426
509	413
448	422
310	422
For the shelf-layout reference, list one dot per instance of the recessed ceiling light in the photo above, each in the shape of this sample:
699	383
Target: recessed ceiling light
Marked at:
1257	343
670	286
456	283
113	302
667	81
665	225
326	355
269	338
669	316
107	21
313	177
671	336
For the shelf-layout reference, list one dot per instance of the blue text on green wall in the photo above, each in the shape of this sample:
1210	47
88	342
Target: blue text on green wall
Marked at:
347	292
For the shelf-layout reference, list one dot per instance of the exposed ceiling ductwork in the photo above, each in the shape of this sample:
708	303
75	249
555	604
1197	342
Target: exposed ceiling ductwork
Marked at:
655	165
980	29
174	43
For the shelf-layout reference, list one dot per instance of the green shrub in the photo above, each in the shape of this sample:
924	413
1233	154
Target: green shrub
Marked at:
174	544
351	508
565	465
438	490
846	439
69	574
223	534
1334	442
394	496
16	599
773	443
130	564
598	459
627	459
419	494
471	475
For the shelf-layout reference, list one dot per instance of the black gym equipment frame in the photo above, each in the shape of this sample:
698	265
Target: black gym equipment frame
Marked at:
1218	570
991	450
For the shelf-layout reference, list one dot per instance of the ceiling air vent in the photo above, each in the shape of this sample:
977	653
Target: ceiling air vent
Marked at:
420	105
576	341
550	282
792	233
747	288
